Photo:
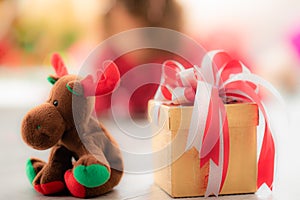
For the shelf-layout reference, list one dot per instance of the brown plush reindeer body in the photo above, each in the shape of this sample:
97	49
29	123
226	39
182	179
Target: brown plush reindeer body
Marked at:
85	159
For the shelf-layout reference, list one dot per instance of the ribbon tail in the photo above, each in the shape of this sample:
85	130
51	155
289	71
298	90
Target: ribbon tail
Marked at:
214	179
266	160
225	145
210	143
216	170
198	122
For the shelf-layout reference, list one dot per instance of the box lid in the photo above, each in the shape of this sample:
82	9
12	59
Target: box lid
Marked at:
179	117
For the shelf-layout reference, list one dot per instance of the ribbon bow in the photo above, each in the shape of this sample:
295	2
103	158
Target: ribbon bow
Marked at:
207	87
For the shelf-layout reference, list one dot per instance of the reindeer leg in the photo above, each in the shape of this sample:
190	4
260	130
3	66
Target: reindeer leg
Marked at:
84	187
81	191
97	173
33	167
90	171
48	178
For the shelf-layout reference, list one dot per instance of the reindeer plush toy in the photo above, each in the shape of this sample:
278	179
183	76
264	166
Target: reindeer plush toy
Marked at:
84	160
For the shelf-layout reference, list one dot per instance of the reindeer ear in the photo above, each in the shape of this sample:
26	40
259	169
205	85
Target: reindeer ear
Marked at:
52	79
75	88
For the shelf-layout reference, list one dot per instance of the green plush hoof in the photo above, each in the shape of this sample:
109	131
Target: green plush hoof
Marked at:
91	176
30	172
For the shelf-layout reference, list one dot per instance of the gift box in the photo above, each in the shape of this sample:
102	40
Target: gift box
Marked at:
204	122
183	176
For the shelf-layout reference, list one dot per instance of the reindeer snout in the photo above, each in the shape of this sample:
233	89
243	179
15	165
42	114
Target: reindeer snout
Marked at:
42	127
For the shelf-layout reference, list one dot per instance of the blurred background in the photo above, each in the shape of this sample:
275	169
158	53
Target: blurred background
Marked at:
265	35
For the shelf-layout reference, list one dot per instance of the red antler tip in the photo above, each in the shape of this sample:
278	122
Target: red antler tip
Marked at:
58	65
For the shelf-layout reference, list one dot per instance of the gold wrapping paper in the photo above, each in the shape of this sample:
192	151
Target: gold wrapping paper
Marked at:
183	177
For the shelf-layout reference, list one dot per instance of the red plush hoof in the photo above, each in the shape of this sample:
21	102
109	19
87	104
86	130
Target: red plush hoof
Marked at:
75	188
50	188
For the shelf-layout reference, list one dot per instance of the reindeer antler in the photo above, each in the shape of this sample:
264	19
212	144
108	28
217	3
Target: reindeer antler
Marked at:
106	82
59	65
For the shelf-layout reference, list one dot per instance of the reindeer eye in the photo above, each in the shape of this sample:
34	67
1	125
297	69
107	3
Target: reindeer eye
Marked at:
55	103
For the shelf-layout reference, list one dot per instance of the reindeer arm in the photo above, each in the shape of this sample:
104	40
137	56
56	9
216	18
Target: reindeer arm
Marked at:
112	150
59	161
48	178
